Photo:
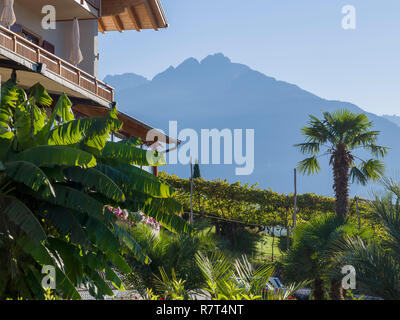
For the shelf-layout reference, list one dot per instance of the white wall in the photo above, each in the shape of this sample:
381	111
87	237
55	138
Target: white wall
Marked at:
61	37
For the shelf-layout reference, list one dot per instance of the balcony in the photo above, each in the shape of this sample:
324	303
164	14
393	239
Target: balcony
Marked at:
79	83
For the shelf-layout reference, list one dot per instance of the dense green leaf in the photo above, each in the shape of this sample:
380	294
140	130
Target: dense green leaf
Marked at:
42	256
22	216
125	237
96	180
130	154
131	179
48	156
40	95
67	224
28	174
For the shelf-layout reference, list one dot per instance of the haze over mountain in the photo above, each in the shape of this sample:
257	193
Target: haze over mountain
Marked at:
216	93
395	119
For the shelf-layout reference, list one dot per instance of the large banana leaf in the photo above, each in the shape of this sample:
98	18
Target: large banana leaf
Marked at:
70	256
28	174
22	216
162	210
75	131
67	224
125	237
63	111
107	242
135	142
115	280
130	154
119	262
102	236
99	133
9	94
39	94
42	256
33	279
6	139
101	285
48	156
96	180
72	199
132	179
29	121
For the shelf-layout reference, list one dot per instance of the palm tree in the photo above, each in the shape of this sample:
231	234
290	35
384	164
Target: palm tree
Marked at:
339	134
378	264
312	253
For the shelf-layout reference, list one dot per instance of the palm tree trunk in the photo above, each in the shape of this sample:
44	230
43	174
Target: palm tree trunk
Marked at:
341	164
318	290
336	290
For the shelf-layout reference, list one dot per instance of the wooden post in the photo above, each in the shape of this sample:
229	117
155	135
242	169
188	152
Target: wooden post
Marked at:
155	171
38	55
358	214
79	77
295	199
14	43
141	147
59	67
191	192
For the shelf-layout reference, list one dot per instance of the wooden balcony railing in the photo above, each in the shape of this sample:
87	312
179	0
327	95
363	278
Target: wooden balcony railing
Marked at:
36	54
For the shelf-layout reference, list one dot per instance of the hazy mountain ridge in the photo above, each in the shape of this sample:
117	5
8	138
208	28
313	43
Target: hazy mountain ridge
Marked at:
395	119
216	93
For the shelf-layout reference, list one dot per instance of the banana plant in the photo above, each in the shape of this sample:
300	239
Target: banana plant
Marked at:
57	175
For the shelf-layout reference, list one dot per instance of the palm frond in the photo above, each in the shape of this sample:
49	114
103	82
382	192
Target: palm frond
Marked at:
309	147
309	165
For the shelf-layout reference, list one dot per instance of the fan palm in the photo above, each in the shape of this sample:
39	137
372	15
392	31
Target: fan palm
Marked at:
339	134
312	253
378	264
240	280
57	174
167	252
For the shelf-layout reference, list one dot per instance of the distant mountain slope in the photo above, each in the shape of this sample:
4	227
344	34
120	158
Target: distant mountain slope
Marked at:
126	81
216	93
394	119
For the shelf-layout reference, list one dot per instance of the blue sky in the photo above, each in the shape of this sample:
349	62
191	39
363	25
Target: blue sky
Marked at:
301	42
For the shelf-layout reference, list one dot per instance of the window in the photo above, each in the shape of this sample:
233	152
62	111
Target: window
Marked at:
23	32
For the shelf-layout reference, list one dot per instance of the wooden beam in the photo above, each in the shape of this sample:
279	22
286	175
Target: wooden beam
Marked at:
151	14
101	25
134	17
118	23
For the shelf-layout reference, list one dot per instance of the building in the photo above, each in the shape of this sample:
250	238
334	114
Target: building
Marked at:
38	53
